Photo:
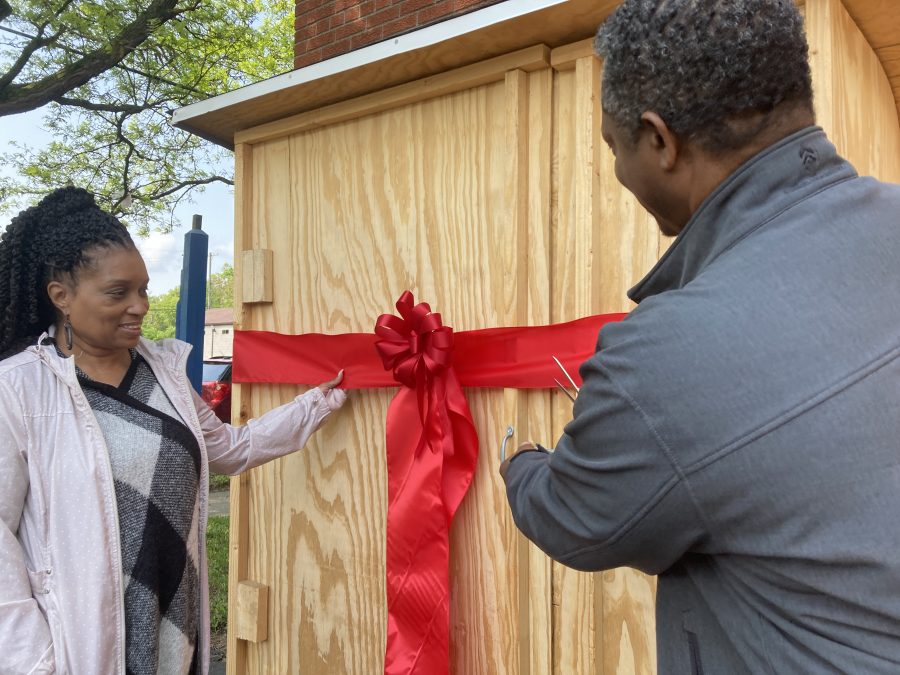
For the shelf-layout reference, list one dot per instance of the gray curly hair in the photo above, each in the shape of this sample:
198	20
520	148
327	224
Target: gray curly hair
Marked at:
703	64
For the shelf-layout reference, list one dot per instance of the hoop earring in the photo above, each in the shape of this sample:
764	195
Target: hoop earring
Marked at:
67	327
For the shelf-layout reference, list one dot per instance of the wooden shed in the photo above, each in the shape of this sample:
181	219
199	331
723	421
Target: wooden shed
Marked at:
464	162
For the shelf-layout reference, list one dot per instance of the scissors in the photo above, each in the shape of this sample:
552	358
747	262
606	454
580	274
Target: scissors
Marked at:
562	387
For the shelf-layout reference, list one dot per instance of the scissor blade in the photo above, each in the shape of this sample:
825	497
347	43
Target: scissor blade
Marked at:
564	390
566	373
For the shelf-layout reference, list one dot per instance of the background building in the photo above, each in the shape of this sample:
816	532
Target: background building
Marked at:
218	332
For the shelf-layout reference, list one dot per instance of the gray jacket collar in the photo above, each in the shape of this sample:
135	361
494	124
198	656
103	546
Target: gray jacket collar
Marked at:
761	189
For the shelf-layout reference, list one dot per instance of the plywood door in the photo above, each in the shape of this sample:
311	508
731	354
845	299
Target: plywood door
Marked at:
498	204
427	196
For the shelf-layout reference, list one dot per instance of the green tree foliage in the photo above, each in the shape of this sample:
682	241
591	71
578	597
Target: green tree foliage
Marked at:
160	320
110	74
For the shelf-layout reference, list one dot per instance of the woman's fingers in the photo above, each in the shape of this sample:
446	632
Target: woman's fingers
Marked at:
334	397
331	384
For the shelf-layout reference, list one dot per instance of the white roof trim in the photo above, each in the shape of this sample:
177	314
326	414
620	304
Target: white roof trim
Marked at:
425	37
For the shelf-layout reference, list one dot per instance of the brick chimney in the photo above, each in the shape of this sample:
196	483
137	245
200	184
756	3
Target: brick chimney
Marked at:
327	28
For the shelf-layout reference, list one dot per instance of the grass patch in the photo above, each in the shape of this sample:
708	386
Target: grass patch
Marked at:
219	482
217	553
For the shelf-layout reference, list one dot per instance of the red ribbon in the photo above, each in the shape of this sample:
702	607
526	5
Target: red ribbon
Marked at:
515	357
432	449
432	444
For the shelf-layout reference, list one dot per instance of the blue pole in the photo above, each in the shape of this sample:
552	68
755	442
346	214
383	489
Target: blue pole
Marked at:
190	313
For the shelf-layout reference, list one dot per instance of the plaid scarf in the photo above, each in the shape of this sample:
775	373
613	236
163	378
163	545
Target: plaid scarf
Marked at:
156	468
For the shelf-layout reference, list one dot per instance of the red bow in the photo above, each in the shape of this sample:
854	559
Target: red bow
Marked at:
415	346
424	489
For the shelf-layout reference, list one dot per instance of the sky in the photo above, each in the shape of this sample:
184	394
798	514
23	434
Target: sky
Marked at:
162	252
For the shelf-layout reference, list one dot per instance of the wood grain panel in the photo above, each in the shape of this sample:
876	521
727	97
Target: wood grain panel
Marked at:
854	99
890	58
535	407
239	523
517	140
879	19
469	77
485	630
565	57
576	598
628	245
470	259
429	197
605	242
318	516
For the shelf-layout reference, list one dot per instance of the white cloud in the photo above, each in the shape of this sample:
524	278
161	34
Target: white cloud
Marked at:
162	254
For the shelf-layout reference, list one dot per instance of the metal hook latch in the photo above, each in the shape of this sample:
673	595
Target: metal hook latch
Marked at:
509	432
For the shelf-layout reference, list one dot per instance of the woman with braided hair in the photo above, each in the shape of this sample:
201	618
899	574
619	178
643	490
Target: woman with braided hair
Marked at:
105	451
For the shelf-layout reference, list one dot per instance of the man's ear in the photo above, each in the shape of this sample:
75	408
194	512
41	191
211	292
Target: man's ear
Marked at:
60	295
663	140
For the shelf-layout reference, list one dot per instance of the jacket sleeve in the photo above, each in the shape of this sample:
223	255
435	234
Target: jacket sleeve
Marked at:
25	642
610	494
278	432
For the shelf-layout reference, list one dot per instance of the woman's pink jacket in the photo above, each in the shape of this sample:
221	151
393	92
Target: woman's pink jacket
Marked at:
61	592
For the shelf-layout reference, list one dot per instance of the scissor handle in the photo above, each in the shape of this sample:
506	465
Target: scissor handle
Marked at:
509	433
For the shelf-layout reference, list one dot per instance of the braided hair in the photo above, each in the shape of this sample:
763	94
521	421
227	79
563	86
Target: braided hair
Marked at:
51	241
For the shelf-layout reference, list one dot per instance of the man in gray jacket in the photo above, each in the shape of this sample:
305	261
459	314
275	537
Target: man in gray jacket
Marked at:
738	434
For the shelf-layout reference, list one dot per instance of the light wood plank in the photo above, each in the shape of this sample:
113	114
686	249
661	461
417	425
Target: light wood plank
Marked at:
538	404
565	57
890	58
879	20
517	113
468	77
257	276
251	621
606	244
628	244
855	103
372	207
238	528
575	598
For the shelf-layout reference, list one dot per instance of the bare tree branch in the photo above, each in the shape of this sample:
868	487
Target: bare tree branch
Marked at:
13	31
103	107
128	69
111	132
37	42
193	183
5	9
17	98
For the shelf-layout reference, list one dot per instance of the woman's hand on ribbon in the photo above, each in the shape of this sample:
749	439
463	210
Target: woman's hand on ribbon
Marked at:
334	397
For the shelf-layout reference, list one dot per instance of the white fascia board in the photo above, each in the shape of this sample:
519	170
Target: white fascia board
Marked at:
424	37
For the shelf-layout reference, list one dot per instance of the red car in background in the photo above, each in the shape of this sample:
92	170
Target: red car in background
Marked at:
216	387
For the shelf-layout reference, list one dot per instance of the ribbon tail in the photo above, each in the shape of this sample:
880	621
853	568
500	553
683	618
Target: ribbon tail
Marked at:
459	467
418	548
